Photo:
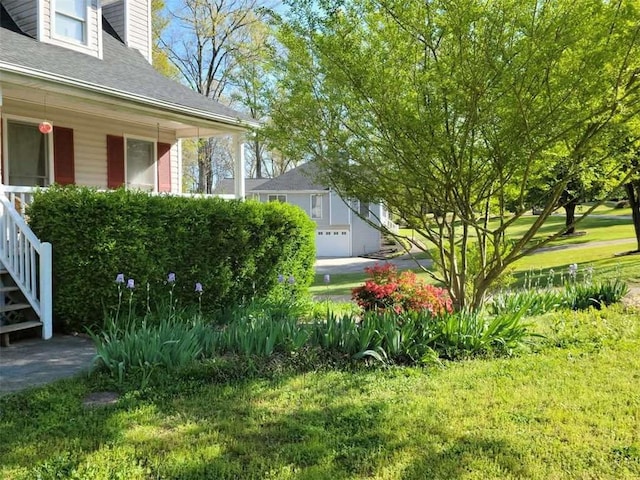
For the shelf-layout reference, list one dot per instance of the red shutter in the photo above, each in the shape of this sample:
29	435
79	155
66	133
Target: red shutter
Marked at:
63	156
115	161
164	167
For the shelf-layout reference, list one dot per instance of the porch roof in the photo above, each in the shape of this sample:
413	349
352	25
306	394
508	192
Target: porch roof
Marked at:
122	74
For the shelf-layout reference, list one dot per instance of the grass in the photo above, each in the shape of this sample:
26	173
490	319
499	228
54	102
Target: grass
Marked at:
567	409
602	258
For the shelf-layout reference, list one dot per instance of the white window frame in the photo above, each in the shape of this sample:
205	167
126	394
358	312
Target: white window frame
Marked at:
6	118
311	206
276	197
154	142
85	21
360	205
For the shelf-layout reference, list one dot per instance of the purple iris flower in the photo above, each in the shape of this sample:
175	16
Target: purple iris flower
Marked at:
171	278
327	278
280	278
292	280
120	278
198	287
131	283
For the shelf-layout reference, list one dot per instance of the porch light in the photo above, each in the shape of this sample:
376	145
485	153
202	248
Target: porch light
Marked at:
45	127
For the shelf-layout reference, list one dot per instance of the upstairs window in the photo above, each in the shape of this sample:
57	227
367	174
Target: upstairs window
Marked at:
316	206
364	210
70	19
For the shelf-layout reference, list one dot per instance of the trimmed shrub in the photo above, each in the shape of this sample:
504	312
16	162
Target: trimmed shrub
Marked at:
236	250
386	290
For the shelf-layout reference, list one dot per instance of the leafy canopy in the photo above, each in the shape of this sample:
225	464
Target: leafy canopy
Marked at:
447	111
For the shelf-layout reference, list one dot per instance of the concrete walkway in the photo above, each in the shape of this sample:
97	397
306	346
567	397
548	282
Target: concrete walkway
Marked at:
358	264
33	362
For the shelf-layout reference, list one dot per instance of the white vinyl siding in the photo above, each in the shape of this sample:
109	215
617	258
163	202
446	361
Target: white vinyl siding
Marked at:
139	28
24	13
131	19
89	136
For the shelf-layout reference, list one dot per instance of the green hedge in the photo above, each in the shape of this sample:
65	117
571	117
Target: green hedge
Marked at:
236	250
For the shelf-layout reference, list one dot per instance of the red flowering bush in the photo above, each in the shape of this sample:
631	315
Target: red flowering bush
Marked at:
386	290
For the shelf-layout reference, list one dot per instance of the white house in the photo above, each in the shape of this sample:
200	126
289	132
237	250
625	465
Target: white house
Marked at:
80	103
340	232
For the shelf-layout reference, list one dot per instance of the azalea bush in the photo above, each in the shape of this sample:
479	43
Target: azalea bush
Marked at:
404	292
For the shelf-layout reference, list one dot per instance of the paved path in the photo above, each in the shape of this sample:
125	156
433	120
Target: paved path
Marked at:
32	362
358	264
601	243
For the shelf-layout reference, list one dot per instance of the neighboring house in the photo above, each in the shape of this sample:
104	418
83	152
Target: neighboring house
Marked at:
80	103
340	232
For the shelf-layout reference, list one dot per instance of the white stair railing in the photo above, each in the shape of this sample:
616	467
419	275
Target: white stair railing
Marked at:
28	261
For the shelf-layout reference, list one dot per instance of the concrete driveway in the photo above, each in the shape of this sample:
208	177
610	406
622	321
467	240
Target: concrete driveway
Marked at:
335	265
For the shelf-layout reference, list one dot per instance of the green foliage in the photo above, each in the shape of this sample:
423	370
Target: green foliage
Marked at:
537	302
568	411
456	109
236	250
577	296
596	295
468	333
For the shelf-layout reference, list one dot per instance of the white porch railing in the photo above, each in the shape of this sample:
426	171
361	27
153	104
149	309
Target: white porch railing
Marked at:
19	197
389	225
27	259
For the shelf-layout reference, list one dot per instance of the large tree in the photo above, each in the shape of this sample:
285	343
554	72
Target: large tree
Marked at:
206	40
445	111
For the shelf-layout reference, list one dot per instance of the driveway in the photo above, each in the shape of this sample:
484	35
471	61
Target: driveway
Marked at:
335	265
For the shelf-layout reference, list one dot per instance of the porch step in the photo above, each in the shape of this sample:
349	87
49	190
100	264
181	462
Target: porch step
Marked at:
14	306
8	289
5	330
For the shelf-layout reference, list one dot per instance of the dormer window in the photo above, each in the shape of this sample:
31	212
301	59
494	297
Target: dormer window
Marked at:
70	20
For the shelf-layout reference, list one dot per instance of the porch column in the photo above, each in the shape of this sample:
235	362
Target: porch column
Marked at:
238	165
1	136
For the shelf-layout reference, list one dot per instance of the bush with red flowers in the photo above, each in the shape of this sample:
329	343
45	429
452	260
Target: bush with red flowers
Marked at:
386	290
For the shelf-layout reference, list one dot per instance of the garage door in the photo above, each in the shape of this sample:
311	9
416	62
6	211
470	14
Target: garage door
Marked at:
332	243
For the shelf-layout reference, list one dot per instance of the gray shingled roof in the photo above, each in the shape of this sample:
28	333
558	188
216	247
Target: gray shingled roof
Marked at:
227	186
121	71
302	178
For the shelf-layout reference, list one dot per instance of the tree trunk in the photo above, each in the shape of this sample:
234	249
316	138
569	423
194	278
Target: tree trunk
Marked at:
633	192
256	144
570	212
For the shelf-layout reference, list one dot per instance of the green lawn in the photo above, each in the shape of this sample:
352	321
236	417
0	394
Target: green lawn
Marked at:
568	409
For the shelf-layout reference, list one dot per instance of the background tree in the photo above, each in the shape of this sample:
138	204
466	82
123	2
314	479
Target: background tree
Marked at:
445	111
206	40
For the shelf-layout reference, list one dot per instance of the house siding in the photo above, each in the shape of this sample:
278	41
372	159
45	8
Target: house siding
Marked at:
339	210
364	238
90	139
25	14
138	34
131	19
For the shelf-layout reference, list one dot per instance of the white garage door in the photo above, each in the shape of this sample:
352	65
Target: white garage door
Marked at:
332	243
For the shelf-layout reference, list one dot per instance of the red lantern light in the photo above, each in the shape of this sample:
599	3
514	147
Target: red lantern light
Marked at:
45	127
